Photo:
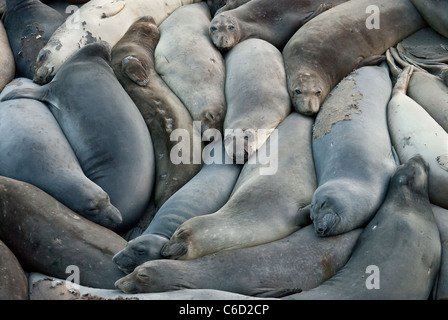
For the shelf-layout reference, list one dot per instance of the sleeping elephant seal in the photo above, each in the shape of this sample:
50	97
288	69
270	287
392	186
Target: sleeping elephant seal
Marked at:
261	19
397	255
34	149
48	237
256	94
342	32
352	152
29	24
414	131
104	128
435	14
13	282
191	66
269	201
98	20
441	216
302	260
205	193
163	112
8	69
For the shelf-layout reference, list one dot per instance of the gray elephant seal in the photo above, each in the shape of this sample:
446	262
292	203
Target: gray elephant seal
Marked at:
256	94
205	193
265	204
352	152
302	260
163	112
311	71
191	66
29	24
434	12
104	128
13	282
397	256
44	157
48	237
261	19
441	289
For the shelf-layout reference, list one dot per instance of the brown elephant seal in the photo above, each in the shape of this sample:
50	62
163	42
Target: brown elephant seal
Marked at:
434	12
205	193
311	73
268	202
441	289
302	260
231	4
104	127
29	25
413	131
256	94
13	282
8	69
48	237
352	152
163	112
262	20
191	66
398	254
45	159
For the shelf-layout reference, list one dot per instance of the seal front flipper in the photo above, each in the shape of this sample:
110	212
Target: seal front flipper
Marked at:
134	69
27	93
274	293
303	217
322	8
370	61
111	8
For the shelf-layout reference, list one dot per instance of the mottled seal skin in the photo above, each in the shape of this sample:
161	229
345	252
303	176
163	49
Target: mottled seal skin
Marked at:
98	20
261	19
441	288
8	69
256	94
302	260
29	24
402	241
310	68
231	4
263	207
414	131
34	149
352	152
48	237
191	66
104	128
13	282
434	12
205	193
133	64
43	287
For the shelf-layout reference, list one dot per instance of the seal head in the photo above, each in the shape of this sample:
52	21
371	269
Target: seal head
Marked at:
224	31
308	92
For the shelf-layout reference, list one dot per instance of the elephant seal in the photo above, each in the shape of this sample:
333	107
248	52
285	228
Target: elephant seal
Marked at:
13	282
256	94
205	193
434	12
104	128
48	237
44	287
34	149
264	205
29	25
352	152
397	255
230	4
98	20
414	131
311	73
302	260
8	69
191	66
133	64
441	216
261	19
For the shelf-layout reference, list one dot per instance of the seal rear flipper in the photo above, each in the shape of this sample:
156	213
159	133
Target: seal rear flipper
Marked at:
133	68
274	293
